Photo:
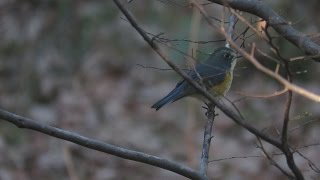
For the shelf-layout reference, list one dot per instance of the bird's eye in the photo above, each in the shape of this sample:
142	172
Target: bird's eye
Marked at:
227	55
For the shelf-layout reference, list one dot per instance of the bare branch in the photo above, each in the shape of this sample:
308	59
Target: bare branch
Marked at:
284	147
207	139
235	157
277	93
274	163
232	24
313	166
287	84
259	8
160	69
303	124
250	26
163	39
284	134
23	122
69	164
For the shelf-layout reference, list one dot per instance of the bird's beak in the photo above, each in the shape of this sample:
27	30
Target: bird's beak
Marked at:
236	57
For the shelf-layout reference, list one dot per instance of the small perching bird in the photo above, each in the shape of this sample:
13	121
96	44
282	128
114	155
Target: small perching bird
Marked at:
215	74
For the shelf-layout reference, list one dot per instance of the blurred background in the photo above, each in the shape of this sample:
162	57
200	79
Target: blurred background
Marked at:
80	66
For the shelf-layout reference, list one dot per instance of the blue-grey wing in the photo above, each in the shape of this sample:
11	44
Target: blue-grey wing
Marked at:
210	76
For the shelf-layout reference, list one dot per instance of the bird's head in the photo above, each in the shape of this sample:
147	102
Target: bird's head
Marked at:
222	57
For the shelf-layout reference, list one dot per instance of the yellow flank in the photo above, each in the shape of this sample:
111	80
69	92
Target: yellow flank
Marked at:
222	88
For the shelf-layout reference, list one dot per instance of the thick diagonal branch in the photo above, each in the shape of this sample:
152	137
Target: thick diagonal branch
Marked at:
23	122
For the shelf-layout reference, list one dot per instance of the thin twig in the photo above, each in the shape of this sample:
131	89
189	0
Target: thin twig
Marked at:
274	163
69	163
160	38
161	69
232	24
250	95
249	25
313	166
287	84
235	157
303	124
260	156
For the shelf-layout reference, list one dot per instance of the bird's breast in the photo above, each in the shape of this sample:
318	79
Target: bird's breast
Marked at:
222	88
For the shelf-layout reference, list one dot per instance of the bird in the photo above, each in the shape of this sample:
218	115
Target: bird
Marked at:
215	74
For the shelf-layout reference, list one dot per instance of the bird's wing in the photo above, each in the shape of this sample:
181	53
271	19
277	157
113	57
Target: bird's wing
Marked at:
210	76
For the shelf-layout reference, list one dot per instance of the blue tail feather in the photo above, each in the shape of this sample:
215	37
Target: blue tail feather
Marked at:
171	97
